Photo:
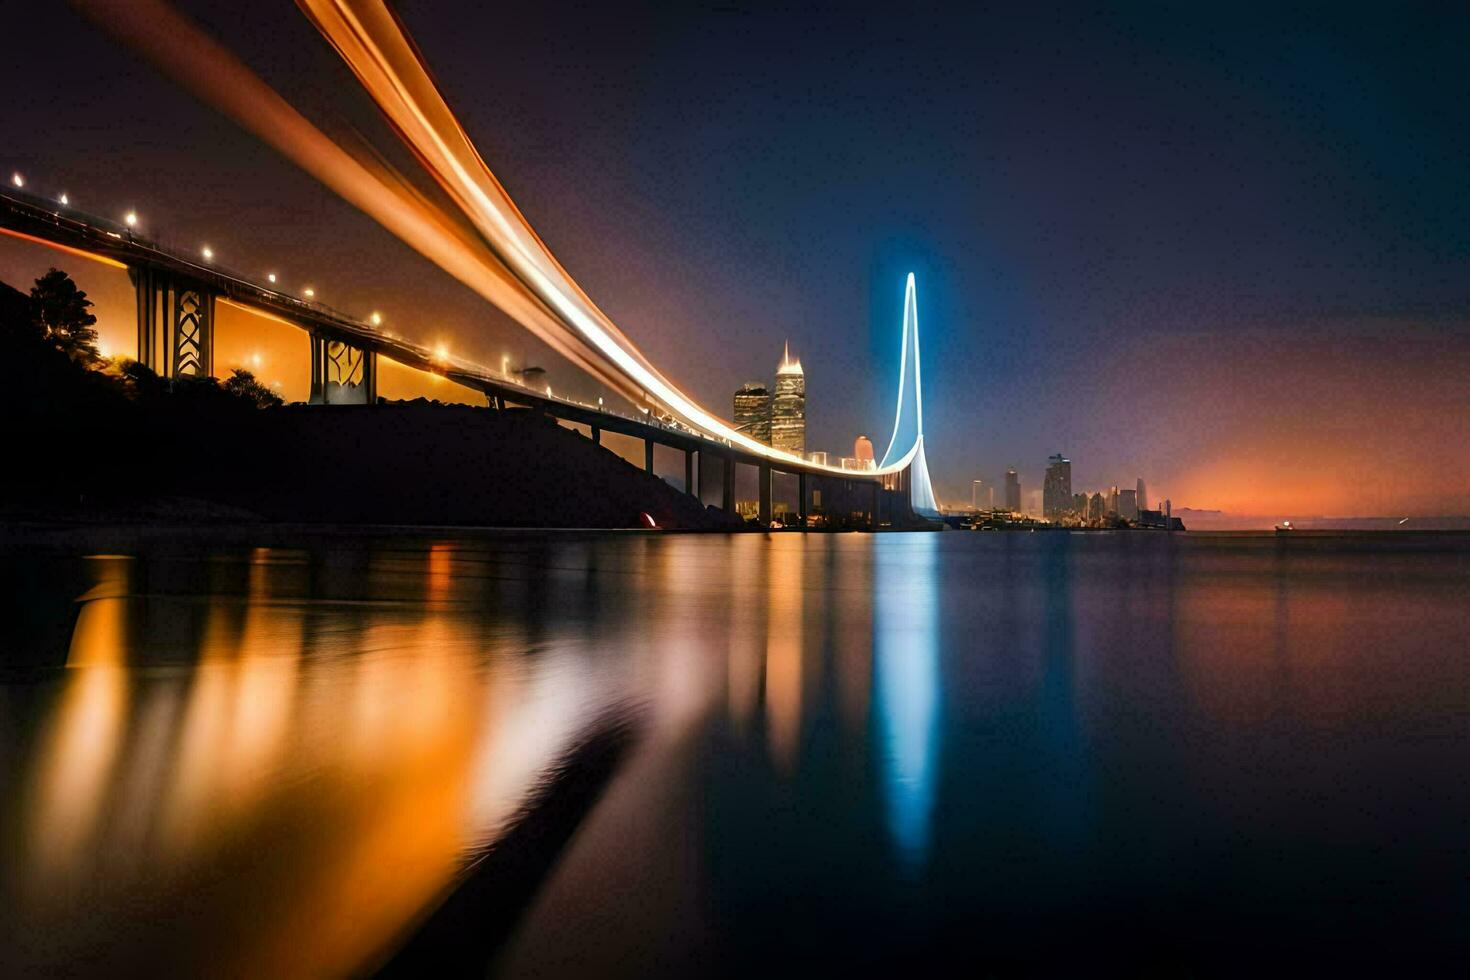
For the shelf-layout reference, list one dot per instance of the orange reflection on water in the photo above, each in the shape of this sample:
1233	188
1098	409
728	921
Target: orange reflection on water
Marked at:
783	648
80	746
293	812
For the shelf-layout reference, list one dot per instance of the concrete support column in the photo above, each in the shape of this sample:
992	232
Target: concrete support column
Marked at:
689	471
801	498
765	494
175	325
873	511
648	455
728	504
342	374
597	435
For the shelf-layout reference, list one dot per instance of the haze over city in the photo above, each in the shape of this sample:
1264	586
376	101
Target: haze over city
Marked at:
1222	252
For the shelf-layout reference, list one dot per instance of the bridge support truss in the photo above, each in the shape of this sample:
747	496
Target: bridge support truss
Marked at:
342	374
175	325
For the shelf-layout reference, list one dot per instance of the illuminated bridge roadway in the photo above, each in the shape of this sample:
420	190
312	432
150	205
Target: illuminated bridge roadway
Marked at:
176	298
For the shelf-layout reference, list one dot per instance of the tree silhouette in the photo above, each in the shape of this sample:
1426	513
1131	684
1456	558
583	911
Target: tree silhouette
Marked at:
242	384
59	309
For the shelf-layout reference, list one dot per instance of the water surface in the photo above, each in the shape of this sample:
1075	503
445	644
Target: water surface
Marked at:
318	755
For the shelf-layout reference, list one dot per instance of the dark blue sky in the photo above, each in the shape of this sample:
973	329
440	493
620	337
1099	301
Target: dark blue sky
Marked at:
1223	248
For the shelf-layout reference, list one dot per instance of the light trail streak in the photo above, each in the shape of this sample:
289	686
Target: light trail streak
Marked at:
499	255
373	43
206	68
80	253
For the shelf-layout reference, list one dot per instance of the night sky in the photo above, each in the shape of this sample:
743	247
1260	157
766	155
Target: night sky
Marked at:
1225	249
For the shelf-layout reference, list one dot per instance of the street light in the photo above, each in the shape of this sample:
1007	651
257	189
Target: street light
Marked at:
271	276
130	219
310	292
441	353
208	253
377	319
17	180
64	199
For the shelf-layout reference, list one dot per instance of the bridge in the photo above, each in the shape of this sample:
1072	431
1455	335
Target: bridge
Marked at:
482	239
176	299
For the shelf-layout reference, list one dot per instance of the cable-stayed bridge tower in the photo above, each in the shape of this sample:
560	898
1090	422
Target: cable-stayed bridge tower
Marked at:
908	419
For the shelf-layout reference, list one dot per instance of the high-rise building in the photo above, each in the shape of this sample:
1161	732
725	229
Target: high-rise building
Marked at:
1056	490
753	411
820	458
1142	495
1097	507
862	451
977	488
788	407
1128	504
1013	492
1113	501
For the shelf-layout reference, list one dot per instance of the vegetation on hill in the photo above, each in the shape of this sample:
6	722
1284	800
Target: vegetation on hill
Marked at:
91	438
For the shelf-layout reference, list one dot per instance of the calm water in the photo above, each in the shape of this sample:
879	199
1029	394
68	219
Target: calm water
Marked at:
633	755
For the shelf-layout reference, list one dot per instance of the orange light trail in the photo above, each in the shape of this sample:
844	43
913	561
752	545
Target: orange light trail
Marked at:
78	252
489	245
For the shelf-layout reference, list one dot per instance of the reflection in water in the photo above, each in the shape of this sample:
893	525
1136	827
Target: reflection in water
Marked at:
653	754
356	779
906	661
783	648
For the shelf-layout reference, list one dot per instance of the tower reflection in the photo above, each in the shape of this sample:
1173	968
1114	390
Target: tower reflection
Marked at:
906	667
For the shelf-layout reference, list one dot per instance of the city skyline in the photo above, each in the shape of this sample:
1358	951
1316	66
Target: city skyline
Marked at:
1283	379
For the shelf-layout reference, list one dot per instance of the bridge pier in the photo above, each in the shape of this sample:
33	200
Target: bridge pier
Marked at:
689	472
597	435
648	455
727	502
763	476
342	374
873	506
801	499
175	324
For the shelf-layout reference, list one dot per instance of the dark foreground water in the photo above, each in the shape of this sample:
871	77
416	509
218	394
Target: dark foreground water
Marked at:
642	755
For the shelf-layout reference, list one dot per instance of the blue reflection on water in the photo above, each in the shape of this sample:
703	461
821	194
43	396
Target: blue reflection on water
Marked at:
906	665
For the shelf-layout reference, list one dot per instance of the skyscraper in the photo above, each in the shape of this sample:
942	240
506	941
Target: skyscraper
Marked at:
788	407
1056	491
1128	504
753	411
1142	495
862	451
976	493
1013	492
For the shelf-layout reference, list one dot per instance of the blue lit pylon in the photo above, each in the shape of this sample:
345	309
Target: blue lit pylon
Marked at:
908	419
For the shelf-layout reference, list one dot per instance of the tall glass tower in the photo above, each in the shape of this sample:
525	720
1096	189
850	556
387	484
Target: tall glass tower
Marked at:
1056	491
788	407
753	411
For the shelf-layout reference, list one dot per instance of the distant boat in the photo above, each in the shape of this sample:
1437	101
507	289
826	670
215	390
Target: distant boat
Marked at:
1402	522
1284	527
